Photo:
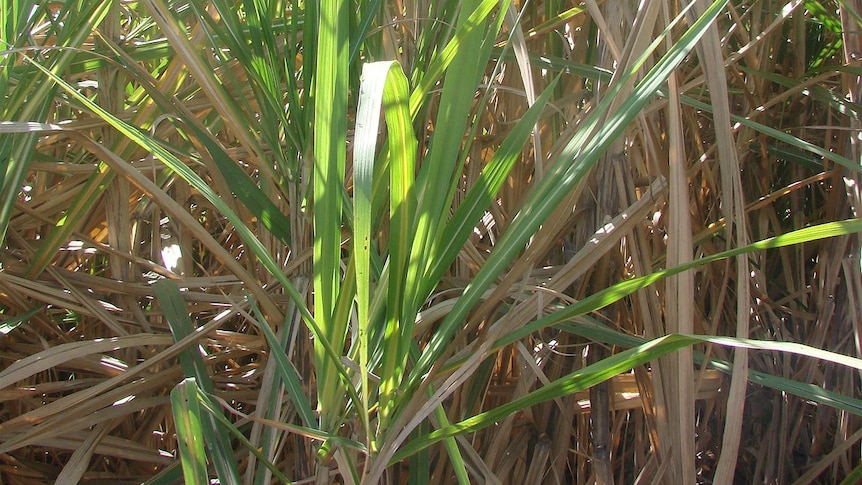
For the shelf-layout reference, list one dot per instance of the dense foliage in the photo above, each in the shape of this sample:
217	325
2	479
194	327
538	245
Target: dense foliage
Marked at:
419	241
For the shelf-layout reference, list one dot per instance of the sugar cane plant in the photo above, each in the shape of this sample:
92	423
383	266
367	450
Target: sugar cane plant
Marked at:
426	242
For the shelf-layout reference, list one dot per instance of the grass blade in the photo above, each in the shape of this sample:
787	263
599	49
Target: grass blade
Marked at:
245	189
12	323
214	412
604	370
288	374
330	128
190	436
168	295
594	330
383	80
614	293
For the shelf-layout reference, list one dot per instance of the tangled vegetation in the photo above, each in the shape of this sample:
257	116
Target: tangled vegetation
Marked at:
414	241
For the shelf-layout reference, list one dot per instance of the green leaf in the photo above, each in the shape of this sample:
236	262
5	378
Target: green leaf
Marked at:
330	129
854	476
783	137
605	369
216	413
245	189
614	293
483	191
217	441
190	436
12	323
287	372
591	329
383	81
